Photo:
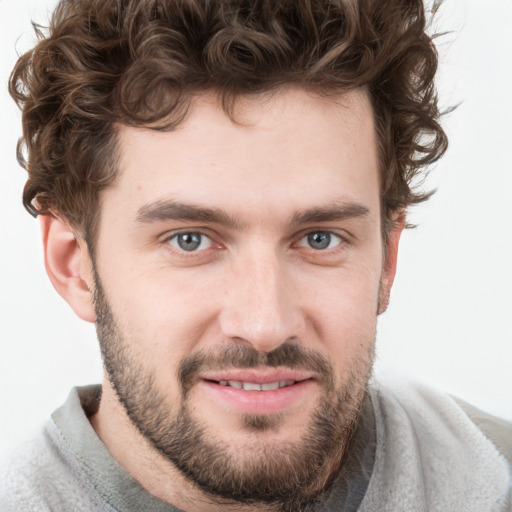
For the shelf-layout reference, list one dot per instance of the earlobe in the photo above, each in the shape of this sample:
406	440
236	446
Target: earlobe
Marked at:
68	265
389	268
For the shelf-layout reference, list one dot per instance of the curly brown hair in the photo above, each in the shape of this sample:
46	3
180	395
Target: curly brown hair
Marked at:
139	62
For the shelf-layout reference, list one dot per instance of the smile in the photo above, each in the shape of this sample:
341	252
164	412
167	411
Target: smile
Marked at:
254	386
259	392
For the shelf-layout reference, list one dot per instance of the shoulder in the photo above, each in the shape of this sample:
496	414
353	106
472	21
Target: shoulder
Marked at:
42	476
28	477
427	409
497	430
449	456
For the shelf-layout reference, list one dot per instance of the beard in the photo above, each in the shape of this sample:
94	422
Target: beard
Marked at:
283	475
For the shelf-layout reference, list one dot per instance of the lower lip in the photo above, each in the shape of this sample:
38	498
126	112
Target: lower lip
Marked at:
260	402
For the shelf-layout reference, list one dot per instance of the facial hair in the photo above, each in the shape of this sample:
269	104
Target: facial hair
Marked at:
288	476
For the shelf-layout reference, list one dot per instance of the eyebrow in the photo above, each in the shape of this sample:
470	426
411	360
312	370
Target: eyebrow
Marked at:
165	210
335	212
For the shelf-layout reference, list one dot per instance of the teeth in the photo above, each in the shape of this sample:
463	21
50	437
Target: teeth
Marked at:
253	386
249	386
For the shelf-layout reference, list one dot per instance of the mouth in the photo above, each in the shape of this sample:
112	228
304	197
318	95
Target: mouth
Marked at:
258	391
255	386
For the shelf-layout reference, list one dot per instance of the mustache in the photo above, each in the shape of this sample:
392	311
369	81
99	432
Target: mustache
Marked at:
289	355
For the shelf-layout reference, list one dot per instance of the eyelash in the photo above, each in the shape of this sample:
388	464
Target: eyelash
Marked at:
199	255
327	233
340	245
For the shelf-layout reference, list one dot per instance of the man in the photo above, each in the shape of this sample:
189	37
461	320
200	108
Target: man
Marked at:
222	187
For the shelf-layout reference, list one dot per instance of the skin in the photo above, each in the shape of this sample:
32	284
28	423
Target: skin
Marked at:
255	281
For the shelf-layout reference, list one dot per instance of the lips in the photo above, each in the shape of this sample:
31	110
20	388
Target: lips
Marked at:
259	376
254	386
258	391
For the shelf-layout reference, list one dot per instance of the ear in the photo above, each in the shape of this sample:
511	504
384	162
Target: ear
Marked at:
68	265
389	268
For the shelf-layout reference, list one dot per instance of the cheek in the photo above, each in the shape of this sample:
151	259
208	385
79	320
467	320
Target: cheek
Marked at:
344	319
163	310
347	300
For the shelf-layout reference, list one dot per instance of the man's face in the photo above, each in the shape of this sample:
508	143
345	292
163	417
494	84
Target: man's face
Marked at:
239	268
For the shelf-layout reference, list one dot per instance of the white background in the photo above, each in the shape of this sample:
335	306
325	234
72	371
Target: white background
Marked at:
449	319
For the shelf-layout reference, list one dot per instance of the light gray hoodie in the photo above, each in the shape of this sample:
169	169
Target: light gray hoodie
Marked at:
415	450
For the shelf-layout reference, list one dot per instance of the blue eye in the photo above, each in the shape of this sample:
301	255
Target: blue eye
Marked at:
320	240
190	242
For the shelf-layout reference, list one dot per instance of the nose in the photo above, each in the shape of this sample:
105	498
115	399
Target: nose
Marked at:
261	305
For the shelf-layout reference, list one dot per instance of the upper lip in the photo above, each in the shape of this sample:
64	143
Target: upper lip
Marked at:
257	375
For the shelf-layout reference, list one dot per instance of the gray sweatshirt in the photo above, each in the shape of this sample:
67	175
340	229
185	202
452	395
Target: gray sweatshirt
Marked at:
414	450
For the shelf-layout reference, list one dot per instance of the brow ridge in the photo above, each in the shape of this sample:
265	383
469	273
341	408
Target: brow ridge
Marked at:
163	210
337	211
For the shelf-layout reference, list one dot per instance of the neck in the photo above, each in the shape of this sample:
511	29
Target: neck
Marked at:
152	471
160	478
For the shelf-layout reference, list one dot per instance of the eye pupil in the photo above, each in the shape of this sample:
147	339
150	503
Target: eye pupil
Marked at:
189	241
319	240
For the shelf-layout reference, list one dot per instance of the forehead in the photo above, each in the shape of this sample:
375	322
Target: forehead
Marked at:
286	150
